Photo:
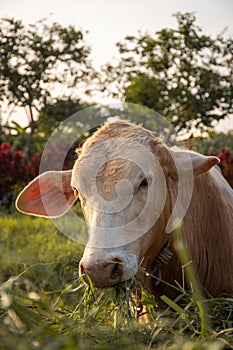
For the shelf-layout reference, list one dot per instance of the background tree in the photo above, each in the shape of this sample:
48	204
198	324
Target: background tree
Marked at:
52	114
182	73
39	64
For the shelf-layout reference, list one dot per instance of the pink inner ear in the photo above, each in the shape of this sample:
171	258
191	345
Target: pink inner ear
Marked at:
33	193
48	195
205	165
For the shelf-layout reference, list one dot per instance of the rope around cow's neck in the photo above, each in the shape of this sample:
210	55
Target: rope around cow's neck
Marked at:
162	258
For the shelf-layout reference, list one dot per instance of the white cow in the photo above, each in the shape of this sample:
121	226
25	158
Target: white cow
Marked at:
133	191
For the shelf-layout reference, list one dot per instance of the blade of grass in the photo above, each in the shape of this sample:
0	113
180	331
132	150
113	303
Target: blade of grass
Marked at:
173	305
194	283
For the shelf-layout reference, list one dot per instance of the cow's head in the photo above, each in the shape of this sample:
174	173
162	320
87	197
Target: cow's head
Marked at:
128	183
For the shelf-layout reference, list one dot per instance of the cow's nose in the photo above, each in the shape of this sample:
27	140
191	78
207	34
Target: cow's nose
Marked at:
103	273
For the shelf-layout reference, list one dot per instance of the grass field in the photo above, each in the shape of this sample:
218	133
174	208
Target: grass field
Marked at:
44	305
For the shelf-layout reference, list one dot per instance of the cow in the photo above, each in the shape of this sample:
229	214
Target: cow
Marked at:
134	191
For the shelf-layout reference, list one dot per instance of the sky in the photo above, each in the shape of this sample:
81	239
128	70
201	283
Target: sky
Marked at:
108	22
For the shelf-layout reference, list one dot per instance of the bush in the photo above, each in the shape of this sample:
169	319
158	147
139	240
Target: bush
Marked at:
220	145
16	172
212	144
13	171
226	165
54	153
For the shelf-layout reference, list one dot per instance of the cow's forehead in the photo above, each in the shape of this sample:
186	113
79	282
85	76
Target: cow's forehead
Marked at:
119	130
103	166
116	156
117	151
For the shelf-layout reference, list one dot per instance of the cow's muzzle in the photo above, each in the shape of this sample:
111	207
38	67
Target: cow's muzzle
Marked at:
103	273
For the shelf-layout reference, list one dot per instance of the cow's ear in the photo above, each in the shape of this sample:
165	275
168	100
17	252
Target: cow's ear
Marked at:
202	164
188	166
195	162
50	195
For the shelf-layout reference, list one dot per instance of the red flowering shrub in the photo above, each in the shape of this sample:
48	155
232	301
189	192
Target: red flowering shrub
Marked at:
58	156
226	165
13	171
33	166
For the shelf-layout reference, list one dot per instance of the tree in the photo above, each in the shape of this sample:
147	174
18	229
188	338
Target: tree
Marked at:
181	73
52	114
39	64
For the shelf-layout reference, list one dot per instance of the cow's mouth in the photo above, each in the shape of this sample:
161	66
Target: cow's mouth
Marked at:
117	271
102	273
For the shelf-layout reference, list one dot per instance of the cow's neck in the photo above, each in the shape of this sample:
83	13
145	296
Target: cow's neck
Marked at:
207	228
208	236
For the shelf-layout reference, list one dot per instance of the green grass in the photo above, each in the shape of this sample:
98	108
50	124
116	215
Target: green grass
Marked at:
44	305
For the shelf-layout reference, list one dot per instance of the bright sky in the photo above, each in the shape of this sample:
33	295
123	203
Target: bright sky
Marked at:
109	21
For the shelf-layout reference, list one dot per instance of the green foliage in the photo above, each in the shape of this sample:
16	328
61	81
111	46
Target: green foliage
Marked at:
30	58
181	73
39	64
147	90
213	144
53	114
219	144
35	243
43	305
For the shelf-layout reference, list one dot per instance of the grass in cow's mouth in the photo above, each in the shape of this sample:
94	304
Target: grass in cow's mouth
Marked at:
118	310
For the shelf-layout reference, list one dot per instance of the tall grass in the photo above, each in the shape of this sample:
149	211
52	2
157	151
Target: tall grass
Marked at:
45	305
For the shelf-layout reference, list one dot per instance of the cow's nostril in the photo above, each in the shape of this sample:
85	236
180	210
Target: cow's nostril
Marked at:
117	269
86	278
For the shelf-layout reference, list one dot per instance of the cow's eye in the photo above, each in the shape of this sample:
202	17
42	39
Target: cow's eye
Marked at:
144	183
